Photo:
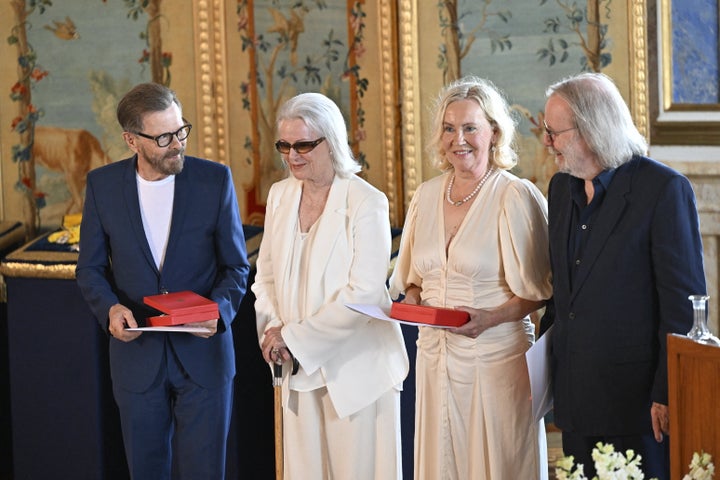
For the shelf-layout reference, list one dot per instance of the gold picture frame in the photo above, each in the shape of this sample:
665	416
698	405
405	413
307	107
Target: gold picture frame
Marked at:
673	122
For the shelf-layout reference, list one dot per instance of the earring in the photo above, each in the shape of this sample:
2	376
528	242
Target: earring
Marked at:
493	150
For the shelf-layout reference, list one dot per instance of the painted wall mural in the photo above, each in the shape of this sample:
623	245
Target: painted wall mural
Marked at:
71	62
70	75
295	47
523	46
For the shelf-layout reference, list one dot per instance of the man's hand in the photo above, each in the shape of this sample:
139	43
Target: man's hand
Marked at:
209	324
120	318
660	420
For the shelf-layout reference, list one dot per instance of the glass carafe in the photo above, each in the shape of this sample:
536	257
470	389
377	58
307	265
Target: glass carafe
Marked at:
700	332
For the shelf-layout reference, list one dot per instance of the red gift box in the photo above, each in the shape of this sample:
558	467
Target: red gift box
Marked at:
181	308
441	317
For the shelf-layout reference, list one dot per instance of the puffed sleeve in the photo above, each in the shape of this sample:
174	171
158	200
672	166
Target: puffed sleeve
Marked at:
524	241
403	272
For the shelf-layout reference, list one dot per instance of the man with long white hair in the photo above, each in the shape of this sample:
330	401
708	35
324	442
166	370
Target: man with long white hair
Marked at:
626	253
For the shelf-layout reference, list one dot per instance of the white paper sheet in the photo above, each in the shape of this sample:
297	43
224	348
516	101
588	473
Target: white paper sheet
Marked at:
170	328
538	362
376	312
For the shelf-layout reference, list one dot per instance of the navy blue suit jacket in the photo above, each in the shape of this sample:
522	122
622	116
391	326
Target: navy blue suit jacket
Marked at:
205	254
642	260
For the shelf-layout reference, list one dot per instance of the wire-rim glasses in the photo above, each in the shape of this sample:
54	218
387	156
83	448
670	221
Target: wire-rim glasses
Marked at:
300	147
552	134
165	139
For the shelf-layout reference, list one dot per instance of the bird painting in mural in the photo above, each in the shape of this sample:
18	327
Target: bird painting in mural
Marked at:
288	28
64	30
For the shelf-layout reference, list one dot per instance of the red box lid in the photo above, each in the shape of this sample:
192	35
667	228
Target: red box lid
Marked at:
181	303
445	317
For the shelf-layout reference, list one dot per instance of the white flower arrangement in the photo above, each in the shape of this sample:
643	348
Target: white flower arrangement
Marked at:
612	465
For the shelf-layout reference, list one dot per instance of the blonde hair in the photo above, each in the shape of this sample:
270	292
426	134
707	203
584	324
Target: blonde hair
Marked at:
496	111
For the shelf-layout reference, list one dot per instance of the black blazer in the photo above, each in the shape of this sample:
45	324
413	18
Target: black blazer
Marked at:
642	260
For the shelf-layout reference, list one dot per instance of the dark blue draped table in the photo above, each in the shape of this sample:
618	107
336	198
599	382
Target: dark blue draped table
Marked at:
65	423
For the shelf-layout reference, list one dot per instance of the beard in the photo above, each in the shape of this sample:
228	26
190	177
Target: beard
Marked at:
169	163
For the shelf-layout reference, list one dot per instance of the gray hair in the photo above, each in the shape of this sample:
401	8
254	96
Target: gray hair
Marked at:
601	117
323	117
144	98
496	111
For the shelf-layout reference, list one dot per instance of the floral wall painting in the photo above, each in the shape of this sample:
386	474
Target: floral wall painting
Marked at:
685	66
523	46
73	62
294	47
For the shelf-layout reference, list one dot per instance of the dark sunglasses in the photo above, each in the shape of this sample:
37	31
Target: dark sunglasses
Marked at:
300	147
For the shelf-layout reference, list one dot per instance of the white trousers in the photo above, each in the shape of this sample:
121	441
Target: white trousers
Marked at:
320	446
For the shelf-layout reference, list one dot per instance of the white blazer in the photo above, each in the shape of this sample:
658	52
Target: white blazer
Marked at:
360	358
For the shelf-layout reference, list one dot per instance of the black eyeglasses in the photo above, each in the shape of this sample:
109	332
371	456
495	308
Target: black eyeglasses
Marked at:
554	133
165	139
300	147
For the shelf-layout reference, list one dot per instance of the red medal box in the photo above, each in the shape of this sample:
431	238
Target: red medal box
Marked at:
441	317
181	308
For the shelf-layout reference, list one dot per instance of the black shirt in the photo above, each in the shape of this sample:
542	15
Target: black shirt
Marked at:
583	216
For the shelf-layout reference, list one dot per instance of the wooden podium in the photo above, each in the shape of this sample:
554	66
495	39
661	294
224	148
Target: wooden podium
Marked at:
694	401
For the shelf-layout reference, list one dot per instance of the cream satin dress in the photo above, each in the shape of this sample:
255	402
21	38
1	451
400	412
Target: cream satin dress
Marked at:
473	415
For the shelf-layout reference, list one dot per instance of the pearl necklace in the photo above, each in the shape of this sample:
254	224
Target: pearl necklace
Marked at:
472	194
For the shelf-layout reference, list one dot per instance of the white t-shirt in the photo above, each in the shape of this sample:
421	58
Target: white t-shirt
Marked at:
156	204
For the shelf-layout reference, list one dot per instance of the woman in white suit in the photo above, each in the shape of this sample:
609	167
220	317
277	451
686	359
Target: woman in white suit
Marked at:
327	243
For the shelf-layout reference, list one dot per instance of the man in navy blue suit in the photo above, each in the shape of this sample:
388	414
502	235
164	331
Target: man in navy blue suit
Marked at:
626	253
162	222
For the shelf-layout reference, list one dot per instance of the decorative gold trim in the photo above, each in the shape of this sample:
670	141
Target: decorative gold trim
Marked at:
666	53
639	66
37	270
39	263
388	73
410	102
673	124
211	79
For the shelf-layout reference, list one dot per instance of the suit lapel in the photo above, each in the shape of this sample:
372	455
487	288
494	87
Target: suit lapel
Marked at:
612	210
285	221
132	207
559	231
331	225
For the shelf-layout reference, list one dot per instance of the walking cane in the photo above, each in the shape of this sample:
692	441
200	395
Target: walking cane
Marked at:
277	387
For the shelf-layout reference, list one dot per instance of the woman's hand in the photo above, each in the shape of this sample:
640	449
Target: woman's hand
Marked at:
412	295
274	349
480	320
516	308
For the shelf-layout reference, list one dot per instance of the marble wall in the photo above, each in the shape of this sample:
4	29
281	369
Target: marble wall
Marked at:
704	174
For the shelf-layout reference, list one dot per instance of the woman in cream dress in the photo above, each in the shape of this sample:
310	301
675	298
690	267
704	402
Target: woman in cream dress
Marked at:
475	238
327	243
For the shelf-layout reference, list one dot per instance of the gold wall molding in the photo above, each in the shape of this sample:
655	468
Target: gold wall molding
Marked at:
410	99
389	83
211	78
639	65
